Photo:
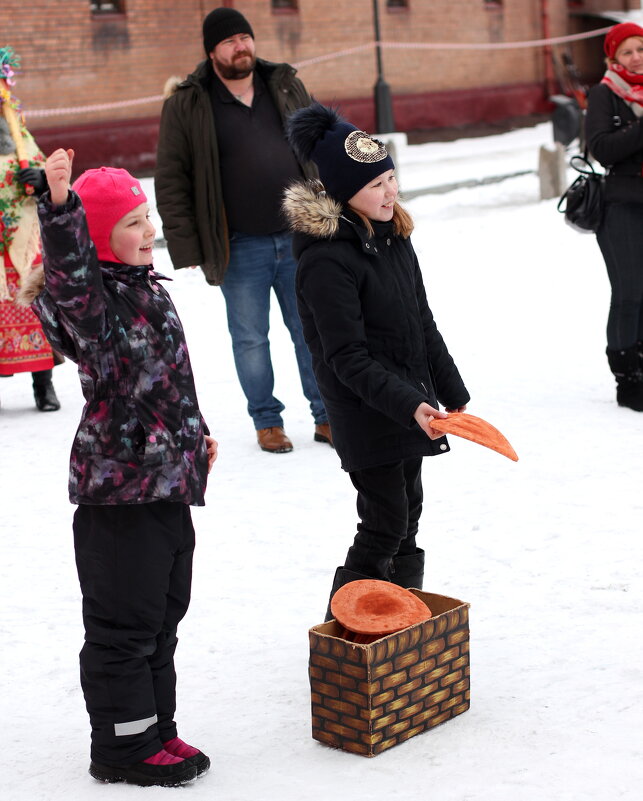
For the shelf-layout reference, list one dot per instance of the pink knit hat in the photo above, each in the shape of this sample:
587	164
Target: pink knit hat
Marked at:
108	194
619	33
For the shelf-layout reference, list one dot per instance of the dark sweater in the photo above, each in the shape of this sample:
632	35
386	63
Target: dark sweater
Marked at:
255	159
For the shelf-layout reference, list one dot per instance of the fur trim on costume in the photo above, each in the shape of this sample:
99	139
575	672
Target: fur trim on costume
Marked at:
310	210
7	144
31	286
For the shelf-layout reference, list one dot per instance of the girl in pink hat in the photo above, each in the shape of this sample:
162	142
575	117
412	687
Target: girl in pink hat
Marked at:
140	458
614	133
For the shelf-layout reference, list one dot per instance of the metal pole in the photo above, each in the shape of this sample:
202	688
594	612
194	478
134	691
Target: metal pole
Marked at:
384	121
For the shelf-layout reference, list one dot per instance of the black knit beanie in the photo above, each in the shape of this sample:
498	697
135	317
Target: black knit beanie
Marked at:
347	158
221	24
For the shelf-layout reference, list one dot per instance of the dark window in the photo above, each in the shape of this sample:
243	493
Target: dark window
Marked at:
397	3
284	5
106	6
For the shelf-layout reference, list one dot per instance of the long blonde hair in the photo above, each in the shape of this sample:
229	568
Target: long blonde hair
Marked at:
402	221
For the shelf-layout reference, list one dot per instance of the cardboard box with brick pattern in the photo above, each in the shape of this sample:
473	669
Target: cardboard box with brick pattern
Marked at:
367	698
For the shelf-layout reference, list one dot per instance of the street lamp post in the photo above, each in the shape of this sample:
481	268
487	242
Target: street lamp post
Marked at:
383	107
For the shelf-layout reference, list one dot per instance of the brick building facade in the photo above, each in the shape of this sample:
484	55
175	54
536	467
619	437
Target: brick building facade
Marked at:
79	55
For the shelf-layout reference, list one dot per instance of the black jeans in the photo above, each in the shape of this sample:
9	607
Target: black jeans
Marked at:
389	505
135	569
620	239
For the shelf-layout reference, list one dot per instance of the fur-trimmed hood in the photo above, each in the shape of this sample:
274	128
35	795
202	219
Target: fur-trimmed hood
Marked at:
31	287
309	210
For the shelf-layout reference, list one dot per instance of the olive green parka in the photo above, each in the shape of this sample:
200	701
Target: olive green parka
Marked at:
187	180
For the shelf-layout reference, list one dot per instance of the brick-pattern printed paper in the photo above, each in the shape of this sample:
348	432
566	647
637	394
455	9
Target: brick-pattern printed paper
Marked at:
368	698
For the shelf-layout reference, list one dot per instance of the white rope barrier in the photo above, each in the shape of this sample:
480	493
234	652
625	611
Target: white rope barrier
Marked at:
575	37
52	112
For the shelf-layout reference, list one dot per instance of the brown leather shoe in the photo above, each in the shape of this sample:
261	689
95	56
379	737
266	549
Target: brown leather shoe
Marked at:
323	434
273	440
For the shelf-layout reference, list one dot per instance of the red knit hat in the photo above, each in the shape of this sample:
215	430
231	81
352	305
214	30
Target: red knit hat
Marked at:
108	194
619	33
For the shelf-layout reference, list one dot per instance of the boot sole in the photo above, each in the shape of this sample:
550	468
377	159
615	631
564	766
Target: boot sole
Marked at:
110	775
320	438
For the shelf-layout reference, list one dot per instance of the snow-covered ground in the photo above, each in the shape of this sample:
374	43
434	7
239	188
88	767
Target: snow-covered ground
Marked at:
548	551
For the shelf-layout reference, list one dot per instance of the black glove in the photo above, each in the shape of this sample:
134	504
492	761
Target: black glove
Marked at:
34	177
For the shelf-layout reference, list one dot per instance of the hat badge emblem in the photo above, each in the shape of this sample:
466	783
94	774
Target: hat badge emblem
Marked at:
364	148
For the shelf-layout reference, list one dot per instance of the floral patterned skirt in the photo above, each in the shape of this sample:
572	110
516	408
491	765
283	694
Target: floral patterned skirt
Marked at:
23	347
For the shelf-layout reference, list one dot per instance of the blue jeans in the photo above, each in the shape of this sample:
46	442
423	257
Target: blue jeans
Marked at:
257	265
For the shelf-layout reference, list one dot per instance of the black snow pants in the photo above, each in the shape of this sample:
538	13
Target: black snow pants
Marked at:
135	570
389	505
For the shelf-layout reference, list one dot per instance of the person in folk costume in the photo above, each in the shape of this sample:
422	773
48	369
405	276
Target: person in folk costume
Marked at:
614	135
23	345
380	362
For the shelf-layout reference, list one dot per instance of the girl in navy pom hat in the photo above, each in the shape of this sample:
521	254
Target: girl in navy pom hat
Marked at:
381	364
140	458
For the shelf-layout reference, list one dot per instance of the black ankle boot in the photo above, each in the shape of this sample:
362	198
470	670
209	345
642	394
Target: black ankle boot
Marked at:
342	576
44	392
408	570
626	366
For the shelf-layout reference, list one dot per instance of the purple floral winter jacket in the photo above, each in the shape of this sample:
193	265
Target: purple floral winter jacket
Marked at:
141	434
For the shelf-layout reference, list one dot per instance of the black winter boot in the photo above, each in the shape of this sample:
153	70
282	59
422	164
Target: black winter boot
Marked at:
44	392
144	774
626	366
342	576
408	570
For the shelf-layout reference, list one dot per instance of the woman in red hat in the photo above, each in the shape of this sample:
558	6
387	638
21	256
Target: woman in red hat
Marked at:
614	132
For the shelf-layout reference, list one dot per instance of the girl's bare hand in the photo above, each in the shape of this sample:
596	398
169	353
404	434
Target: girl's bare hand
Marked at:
423	416
213	450
58	172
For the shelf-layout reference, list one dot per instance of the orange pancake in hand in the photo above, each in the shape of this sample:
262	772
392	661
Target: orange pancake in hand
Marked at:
369	606
477	430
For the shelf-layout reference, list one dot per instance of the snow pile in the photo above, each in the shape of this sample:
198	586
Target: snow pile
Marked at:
547	551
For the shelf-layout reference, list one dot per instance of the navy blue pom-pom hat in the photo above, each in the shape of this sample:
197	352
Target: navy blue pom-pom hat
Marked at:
347	158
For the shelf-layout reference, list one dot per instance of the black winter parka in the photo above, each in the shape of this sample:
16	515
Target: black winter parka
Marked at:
377	353
614	137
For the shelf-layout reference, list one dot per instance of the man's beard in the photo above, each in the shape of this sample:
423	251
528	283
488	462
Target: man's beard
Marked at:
233	72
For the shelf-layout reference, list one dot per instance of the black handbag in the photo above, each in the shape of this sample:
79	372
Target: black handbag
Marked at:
584	198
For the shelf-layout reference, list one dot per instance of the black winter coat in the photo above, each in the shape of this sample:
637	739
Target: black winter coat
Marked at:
376	350
614	136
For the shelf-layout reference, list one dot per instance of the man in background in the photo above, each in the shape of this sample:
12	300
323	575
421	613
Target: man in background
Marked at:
222	165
